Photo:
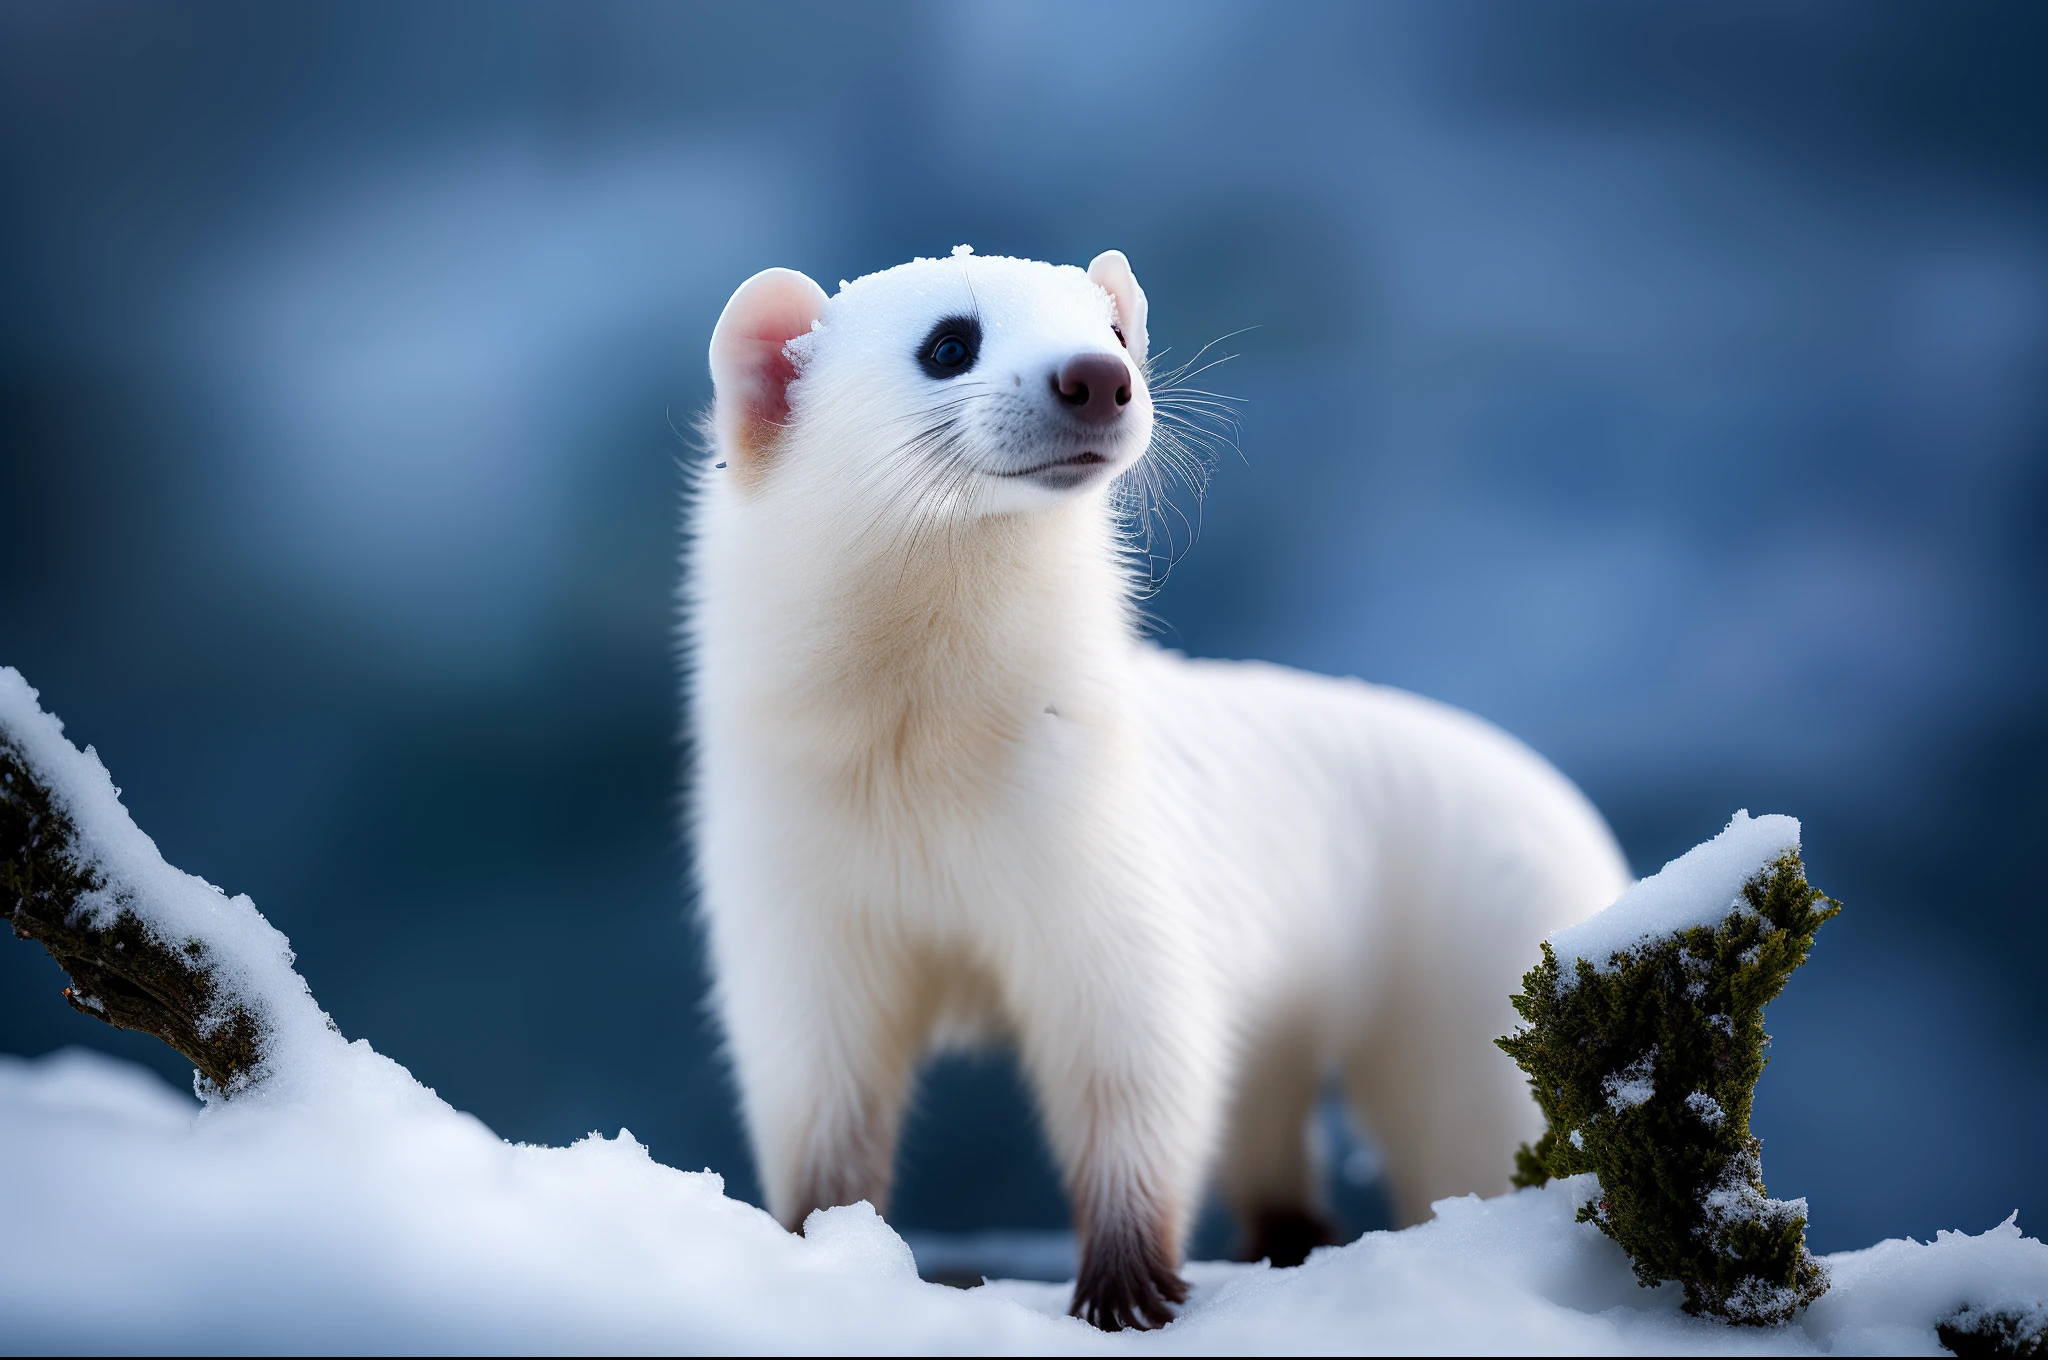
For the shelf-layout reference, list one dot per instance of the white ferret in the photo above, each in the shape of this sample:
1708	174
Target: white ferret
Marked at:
944	793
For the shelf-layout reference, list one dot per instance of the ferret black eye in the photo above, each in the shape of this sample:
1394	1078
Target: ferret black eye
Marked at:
951	348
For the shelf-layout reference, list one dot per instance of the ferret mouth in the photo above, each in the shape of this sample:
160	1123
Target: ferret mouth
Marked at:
1063	472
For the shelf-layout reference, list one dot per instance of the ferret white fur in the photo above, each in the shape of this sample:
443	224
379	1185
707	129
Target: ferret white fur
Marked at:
944	792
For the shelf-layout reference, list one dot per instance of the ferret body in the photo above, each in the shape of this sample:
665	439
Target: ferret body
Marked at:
945	793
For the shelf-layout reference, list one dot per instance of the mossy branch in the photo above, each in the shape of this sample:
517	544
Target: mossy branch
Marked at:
1647	1072
122	971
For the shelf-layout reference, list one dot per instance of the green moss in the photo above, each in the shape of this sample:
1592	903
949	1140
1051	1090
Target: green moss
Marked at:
1646	1074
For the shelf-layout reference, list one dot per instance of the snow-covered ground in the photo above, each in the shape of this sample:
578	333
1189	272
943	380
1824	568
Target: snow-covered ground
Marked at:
337	1205
368	1215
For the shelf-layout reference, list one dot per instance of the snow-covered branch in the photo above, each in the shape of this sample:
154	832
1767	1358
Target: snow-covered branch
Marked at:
148	948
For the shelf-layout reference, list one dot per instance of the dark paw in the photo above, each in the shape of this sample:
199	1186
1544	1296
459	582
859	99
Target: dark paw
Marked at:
1286	1236
1127	1282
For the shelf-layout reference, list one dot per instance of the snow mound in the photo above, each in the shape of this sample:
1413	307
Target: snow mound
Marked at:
370	1216
1699	888
337	1205
1881	1292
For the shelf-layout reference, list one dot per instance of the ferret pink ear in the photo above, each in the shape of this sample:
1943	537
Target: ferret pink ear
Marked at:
750	366
1111	272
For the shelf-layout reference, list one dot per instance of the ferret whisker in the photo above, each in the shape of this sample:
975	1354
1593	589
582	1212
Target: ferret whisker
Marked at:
1194	436
1181	376
1184	394
1181	396
920	454
1197	419
1192	365
938	481
959	401
1189	453
1148	502
1207	433
1203	408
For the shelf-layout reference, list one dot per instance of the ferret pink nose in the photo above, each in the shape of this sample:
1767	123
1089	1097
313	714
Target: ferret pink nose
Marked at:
1096	387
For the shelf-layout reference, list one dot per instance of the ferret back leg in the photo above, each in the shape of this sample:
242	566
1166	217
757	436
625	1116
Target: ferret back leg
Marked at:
1446	1107
1274	1163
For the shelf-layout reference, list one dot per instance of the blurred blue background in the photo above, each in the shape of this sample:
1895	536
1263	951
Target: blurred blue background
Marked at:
1663	382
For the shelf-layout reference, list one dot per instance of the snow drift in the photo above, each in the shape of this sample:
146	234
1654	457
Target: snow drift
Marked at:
332	1203
367	1215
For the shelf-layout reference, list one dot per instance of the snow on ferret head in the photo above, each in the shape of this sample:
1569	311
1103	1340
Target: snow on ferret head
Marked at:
965	386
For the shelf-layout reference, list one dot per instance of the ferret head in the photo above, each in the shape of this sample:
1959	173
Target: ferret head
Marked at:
957	387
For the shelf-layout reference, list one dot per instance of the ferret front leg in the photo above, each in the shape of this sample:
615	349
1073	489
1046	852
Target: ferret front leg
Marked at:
1130	1260
824	1072
1129	1094
843	1150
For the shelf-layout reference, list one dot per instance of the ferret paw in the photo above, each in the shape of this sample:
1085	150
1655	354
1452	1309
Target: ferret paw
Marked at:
1285	1237
1130	1283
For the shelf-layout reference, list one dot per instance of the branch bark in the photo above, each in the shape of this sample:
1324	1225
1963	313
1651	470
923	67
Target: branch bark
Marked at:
122	971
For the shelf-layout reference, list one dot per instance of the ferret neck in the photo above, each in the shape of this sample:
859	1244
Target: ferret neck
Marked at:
983	612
